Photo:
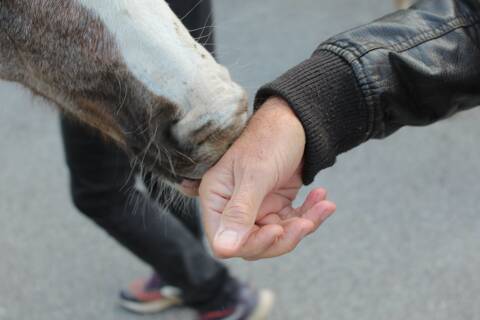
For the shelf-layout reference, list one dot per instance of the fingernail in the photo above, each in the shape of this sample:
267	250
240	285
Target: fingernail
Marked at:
227	239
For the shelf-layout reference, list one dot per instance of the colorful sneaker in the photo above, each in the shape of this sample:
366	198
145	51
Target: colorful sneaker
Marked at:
147	296
251	305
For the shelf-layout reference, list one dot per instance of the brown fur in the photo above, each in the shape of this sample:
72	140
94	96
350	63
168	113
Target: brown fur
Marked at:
62	52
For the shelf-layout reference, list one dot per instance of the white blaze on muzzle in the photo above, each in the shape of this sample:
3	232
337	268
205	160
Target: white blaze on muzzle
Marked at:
160	52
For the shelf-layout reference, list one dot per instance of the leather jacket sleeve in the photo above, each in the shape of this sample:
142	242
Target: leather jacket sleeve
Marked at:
413	67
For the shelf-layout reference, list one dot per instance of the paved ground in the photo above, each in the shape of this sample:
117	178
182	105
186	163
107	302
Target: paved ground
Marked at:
405	243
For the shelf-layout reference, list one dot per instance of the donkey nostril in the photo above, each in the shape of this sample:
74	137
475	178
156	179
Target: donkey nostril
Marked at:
169	136
204	133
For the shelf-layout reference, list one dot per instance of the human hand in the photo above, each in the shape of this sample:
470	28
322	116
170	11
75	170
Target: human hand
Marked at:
247	197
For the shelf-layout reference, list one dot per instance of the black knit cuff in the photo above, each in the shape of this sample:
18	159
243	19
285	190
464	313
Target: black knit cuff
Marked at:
323	93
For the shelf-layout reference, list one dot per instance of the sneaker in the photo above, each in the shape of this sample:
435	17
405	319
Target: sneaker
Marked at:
147	296
251	305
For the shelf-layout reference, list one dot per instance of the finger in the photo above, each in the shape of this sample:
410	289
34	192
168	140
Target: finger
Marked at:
214	196
313	198
212	206
260	241
240	214
271	218
294	231
319	213
273	203
313	215
297	229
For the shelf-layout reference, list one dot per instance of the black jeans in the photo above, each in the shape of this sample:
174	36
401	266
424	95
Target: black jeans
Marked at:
169	240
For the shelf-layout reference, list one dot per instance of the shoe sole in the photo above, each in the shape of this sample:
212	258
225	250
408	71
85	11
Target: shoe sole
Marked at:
264	307
150	307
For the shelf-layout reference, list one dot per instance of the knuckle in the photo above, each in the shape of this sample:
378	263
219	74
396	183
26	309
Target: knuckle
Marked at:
239	214
254	166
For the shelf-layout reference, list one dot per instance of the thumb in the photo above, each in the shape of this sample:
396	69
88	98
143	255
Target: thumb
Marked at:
240	214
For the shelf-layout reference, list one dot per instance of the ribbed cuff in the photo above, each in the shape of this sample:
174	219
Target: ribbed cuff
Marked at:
323	93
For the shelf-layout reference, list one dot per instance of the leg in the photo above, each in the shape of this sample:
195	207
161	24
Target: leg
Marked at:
100	184
103	189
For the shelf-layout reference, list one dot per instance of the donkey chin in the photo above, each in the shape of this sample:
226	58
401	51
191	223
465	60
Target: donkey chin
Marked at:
131	70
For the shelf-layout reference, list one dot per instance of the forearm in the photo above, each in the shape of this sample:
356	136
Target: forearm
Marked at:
410	68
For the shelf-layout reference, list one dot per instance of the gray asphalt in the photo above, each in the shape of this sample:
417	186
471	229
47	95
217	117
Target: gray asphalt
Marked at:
405	243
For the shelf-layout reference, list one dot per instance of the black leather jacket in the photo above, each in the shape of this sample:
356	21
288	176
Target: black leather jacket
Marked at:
412	67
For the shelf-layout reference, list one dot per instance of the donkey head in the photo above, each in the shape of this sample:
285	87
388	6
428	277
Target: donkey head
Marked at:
130	69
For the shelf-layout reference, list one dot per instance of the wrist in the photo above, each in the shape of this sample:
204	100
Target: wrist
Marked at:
279	115
277	138
324	94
